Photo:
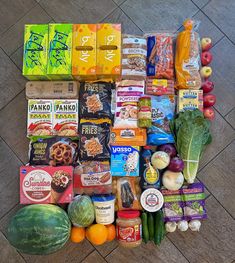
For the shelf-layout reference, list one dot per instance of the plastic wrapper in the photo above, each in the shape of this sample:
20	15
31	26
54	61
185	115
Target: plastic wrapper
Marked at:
160	57
53	151
163	108
134	52
187	58
95	100
158	87
94	139
93	178
127	192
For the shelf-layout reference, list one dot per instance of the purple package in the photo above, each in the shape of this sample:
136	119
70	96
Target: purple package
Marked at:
194	202
173	205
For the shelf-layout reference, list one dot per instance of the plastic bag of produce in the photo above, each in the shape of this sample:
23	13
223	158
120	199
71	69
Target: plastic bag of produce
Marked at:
187	57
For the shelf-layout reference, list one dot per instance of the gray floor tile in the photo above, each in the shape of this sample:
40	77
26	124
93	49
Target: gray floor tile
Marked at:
94	257
200	3
7	252
223	14
14	131
13	38
219	178
223	67
105	249
151	15
11	81
231	118
12	11
117	16
80	11
119	2
215	240
17	57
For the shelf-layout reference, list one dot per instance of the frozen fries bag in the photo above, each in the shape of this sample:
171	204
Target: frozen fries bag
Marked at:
187	58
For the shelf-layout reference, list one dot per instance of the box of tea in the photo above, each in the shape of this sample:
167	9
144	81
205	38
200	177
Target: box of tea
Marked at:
35	52
84	51
60	52
109	51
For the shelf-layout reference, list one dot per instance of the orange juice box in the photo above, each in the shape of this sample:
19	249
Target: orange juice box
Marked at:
109	51
84	51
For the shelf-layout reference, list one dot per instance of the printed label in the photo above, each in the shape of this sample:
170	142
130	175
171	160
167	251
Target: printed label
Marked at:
95	179
160	82
129	234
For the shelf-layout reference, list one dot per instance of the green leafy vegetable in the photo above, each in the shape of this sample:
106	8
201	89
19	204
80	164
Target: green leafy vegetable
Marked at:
192	134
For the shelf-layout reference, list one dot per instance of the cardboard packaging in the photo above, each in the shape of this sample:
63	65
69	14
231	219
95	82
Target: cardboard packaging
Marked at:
108	51
39	118
52	90
60	52
46	184
84	51
65	117
35	52
190	100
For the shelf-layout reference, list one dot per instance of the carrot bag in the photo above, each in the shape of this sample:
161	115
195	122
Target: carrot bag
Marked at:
160	57
187	57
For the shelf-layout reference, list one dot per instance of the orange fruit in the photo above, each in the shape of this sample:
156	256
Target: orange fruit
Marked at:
77	234
111	232
97	234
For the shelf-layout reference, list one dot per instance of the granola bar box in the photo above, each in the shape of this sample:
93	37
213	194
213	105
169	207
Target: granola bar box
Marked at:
39	117
60	52
65	117
108	50
35	52
46	184
190	100
84	51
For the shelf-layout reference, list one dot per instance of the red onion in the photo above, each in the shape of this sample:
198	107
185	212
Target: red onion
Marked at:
168	148
176	165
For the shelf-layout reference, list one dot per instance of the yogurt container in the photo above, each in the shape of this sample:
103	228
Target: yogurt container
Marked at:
152	200
104	209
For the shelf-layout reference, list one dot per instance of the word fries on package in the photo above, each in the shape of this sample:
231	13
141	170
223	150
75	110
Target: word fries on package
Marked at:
84	51
108	50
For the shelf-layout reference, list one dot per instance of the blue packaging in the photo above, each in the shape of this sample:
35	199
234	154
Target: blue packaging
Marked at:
125	160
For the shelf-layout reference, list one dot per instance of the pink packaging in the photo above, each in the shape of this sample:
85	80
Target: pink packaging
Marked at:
46	184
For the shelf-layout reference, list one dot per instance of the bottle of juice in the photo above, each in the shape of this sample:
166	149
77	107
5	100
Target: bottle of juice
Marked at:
149	175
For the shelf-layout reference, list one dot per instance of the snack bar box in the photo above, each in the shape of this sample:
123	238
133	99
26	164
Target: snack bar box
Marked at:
46	184
190	100
59	65
35	52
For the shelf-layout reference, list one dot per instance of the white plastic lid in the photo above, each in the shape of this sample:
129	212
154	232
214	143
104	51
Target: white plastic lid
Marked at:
152	200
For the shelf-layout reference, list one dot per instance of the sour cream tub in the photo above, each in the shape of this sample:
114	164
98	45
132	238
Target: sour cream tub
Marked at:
104	209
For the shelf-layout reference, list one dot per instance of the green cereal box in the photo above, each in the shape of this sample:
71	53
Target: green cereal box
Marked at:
35	52
60	52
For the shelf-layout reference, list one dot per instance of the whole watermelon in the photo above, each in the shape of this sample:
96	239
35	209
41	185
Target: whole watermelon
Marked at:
81	211
39	229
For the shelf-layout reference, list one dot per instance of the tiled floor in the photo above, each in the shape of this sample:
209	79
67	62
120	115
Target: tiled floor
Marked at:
216	240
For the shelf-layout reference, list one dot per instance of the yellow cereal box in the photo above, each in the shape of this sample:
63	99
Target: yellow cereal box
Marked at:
84	51
108	50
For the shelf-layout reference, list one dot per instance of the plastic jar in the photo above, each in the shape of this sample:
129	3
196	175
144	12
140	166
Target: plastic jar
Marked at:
129	228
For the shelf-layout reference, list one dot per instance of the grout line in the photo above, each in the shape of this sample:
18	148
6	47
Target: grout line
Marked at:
111	251
223	117
10	58
202	6
117	7
9	211
45	11
101	255
88	253
229	112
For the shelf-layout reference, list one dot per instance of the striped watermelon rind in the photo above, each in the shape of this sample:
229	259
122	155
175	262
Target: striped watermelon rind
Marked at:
39	229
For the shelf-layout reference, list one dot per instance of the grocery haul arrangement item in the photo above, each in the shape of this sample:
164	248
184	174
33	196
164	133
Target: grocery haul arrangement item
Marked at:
116	132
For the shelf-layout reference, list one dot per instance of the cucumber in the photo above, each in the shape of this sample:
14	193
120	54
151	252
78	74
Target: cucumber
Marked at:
145	227
160	230
151	226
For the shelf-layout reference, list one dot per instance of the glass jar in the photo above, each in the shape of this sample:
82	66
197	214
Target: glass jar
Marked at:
144	112
129	228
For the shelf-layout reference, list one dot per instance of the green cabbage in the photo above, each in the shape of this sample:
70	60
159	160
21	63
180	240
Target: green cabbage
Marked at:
192	134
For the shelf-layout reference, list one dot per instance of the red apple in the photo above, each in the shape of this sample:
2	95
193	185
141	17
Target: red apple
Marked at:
209	113
206	43
206	72
209	100
207	86
206	58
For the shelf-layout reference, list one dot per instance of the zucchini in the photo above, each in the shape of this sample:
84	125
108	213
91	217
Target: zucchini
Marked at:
145	227
160	230
151	226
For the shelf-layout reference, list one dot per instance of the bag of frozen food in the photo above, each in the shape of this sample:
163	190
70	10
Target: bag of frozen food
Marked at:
95	100
128	93
160	59
94	139
187	57
163	109
93	178
53	151
134	51
159	87
128	193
